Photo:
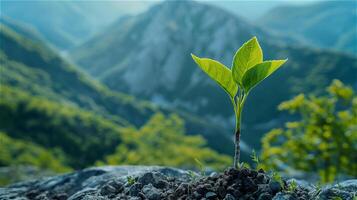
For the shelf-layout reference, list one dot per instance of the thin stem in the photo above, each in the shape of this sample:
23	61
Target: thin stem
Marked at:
238	104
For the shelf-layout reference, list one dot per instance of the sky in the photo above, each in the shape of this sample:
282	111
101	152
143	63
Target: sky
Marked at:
249	9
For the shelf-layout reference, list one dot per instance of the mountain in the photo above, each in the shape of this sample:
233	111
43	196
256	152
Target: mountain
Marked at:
34	71
149	56
329	24
68	23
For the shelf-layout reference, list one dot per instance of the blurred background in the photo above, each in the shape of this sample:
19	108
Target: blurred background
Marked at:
87	83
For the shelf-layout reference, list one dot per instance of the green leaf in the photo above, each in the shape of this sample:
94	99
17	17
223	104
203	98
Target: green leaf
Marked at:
247	56
219	73
259	72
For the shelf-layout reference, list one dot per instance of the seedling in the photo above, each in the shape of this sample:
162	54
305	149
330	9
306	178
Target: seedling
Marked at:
131	180
248	69
201	167
277	177
254	157
292	186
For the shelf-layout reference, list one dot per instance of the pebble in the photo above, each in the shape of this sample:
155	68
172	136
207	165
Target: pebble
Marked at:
211	195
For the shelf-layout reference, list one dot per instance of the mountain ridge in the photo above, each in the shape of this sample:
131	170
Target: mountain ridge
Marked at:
328	25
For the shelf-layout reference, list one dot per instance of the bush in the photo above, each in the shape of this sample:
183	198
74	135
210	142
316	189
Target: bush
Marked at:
162	141
323	140
20	152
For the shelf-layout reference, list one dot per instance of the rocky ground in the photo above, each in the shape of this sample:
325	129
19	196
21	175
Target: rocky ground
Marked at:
155	183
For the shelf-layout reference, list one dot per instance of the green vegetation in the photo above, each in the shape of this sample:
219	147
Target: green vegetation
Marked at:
84	136
247	71
162	141
21	152
321	139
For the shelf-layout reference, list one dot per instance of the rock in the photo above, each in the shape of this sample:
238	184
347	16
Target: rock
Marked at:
154	183
182	189
345	190
265	196
107	190
135	189
229	197
147	178
282	196
261	178
211	195
85	184
275	186
151	192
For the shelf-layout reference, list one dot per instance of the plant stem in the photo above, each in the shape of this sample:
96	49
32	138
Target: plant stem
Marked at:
238	104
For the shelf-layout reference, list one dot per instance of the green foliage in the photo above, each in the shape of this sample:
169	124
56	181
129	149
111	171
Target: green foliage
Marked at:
162	141
21	152
256	161
247	56
201	167
323	140
259	72
219	73
292	186
131	180
277	177
83	136
247	71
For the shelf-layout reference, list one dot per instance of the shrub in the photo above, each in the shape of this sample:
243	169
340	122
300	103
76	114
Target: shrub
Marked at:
322	140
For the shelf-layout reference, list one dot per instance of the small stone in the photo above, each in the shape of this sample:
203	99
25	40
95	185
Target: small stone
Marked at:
265	196
264	188
229	197
261	178
221	191
181	189
211	195
237	193
253	174
201	189
207	186
232	171
146	178
62	196
134	198
161	184
275	186
197	195
244	172
151	192
135	189
249	185
108	189
117	185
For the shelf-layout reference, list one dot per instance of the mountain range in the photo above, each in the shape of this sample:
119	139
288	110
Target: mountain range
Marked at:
329	24
148	56
65	24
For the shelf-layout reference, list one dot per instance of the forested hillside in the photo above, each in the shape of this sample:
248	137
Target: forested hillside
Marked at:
46	102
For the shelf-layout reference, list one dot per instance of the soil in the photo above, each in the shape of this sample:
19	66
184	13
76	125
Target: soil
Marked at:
166	183
244	184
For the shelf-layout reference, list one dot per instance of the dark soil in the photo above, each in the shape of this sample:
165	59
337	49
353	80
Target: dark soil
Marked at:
244	184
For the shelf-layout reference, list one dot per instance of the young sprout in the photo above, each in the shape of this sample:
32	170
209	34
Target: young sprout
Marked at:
248	69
